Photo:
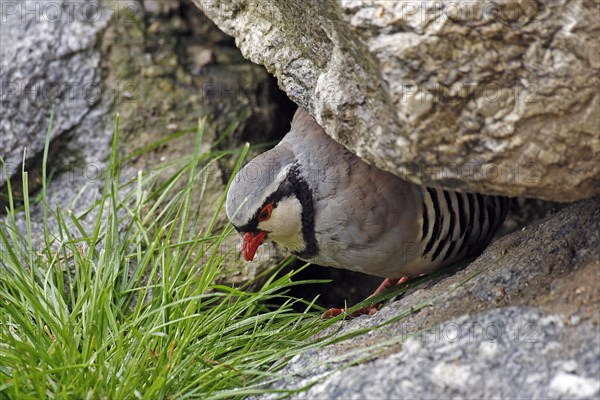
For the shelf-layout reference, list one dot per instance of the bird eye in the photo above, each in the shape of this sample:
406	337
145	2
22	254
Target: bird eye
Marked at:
265	213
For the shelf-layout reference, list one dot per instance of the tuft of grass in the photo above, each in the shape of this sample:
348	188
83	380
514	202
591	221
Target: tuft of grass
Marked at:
130	308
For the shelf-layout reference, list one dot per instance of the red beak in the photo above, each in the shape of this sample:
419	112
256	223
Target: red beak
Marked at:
251	243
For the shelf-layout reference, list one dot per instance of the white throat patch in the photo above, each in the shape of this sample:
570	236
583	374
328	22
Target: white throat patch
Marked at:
285	225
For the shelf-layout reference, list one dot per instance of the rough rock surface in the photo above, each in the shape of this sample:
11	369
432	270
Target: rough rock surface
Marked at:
162	66
496	97
47	57
521	321
524	353
92	60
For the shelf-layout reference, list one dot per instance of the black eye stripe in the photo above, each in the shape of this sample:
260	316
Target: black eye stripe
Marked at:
286	189
293	185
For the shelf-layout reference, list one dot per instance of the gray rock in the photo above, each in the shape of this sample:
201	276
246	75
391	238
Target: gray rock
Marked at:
144	60
48	57
514	352
494	97
161	7
521	321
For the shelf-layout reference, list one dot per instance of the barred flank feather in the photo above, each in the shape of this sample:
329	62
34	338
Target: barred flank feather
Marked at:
458	225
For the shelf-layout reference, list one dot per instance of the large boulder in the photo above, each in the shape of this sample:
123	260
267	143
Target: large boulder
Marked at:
521	321
494	97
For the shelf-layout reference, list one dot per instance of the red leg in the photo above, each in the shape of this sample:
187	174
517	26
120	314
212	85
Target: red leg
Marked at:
372	309
332	312
404	279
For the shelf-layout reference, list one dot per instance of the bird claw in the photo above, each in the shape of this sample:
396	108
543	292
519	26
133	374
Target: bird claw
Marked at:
368	310
334	312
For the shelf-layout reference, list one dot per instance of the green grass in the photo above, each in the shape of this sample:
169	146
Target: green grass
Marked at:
130	308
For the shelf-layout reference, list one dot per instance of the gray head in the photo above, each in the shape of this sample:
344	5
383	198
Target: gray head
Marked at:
269	199
255	182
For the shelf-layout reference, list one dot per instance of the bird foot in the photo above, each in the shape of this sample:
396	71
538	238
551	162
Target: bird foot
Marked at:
404	279
368	310
334	312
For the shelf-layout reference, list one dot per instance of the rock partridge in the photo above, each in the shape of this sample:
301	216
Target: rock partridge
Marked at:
325	205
